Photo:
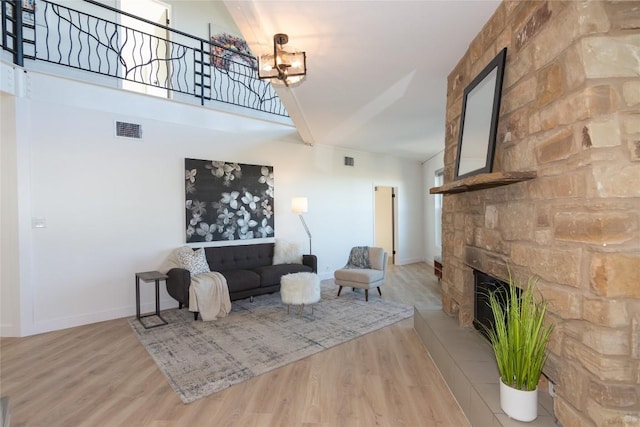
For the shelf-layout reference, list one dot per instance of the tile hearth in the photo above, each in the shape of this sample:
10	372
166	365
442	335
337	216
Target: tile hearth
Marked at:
466	363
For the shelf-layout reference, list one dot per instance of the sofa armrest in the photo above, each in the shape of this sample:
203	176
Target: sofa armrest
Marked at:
178	282
310	261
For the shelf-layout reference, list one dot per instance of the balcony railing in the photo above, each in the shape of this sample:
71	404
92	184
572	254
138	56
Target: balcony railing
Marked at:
137	52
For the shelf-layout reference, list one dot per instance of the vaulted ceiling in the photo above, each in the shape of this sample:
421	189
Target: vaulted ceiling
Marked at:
377	70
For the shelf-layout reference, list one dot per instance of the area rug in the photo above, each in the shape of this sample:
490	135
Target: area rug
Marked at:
201	358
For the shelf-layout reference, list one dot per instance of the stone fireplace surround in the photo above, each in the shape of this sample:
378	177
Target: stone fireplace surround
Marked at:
571	114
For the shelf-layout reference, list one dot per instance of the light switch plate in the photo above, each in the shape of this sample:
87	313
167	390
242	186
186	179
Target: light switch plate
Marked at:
38	222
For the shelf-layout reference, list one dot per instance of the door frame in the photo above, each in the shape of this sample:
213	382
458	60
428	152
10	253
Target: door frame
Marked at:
168	8
394	220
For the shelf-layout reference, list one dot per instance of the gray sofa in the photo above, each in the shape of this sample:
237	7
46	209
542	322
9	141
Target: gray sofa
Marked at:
249	271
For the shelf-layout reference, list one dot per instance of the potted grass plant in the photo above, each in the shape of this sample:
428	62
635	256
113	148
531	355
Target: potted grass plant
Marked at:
519	338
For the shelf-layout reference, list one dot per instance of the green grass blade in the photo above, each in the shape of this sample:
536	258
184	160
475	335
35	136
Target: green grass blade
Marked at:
520	336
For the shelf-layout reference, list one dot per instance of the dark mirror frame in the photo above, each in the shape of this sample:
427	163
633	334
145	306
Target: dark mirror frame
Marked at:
497	64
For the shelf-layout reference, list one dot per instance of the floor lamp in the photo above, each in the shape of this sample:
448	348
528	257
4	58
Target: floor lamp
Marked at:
299	205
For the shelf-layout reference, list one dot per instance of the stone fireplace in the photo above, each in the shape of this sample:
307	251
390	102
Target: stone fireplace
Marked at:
570	115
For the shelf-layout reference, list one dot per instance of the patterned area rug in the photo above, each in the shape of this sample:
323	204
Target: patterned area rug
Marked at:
202	358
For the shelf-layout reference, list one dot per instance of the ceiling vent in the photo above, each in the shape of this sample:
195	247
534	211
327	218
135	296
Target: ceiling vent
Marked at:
128	130
348	161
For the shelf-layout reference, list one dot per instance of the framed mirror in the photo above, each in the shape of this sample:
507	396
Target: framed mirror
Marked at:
479	120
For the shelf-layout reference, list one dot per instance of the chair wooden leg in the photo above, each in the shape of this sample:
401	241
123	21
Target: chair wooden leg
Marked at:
366	295
339	290
195	315
179	306
379	291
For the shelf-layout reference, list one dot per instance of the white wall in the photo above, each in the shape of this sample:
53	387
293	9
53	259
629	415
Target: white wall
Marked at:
429	169
114	207
9	260
194	17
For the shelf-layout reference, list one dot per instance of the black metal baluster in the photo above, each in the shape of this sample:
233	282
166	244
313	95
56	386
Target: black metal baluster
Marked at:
95	44
80	47
98	44
70	39
201	72
88	43
18	54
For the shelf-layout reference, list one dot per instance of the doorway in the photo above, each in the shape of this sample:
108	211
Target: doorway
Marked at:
385	220
153	77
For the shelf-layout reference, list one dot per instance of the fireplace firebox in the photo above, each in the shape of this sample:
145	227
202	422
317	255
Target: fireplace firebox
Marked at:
484	285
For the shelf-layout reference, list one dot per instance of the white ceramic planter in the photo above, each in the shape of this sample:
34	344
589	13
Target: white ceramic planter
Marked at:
518	404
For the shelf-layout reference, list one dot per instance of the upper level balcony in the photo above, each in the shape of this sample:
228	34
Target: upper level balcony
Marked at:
107	46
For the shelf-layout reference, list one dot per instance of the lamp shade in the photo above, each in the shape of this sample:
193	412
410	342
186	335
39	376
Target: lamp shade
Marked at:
299	205
281	66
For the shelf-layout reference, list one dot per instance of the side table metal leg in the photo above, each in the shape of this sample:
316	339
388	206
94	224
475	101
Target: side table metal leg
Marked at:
162	321
137	298
158	297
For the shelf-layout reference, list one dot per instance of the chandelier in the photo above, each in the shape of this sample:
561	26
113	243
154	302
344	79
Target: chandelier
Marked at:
281	66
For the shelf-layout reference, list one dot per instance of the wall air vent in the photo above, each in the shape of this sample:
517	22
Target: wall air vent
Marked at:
348	161
128	130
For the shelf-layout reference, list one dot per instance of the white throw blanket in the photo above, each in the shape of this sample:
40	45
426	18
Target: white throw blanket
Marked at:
209	295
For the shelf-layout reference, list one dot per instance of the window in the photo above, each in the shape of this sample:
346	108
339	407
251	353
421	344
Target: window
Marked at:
438	182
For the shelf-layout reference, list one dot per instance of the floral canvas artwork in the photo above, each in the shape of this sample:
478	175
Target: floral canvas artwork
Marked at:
227	48
228	201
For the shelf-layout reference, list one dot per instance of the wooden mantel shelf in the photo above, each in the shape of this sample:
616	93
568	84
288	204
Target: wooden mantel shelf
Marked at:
482	181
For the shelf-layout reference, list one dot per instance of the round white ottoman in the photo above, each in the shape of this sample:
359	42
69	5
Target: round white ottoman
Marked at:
300	289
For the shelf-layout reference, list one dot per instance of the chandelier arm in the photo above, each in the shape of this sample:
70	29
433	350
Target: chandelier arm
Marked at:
280	40
281	75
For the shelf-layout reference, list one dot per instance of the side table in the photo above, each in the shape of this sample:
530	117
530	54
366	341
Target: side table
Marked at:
437	267
149	276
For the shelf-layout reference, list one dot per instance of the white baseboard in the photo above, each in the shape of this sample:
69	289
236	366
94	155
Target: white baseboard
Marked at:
88	318
40	327
325	276
409	261
9	330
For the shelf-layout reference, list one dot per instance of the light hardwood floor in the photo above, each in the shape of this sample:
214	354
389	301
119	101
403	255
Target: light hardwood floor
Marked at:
100	375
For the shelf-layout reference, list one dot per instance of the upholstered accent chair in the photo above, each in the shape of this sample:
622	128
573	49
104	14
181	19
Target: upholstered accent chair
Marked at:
359	276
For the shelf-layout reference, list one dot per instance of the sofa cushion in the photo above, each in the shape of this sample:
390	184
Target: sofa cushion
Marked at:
194	261
286	252
241	280
270	275
376	258
361	275
241	257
